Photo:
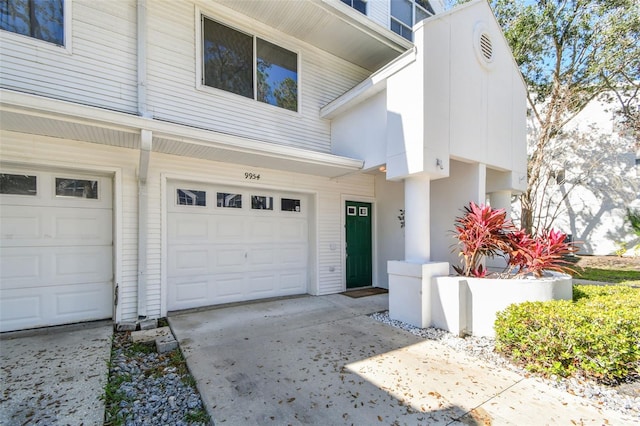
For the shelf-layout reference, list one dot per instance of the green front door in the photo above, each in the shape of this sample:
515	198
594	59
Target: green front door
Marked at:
358	230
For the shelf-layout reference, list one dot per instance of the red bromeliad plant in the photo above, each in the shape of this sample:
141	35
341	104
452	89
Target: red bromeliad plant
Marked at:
486	232
545	253
481	232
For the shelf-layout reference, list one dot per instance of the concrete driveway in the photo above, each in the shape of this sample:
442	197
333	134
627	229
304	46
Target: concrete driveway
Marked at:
55	376
322	360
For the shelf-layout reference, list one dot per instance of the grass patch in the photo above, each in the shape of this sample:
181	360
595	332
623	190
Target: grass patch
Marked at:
617	276
197	416
139	348
112	395
594	336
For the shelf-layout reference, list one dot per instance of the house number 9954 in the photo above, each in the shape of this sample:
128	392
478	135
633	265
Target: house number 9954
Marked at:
251	176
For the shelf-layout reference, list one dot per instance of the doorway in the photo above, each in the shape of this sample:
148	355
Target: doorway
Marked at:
358	244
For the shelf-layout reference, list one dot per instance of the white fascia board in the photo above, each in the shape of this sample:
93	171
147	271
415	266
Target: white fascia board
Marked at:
77	113
266	149
369	87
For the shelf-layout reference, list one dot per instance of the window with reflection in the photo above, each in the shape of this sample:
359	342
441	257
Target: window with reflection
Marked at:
79	188
227	199
15	184
228	62
191	197
290	205
260	202
40	19
406	13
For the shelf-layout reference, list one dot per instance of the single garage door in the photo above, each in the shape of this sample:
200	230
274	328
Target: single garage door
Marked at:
56	248
230	244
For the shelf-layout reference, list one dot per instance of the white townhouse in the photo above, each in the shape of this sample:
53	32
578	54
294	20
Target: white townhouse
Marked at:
159	155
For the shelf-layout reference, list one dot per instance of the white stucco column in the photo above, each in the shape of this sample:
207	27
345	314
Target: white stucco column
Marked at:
501	200
417	245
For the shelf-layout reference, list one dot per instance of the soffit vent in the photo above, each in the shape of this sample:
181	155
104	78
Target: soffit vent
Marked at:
486	47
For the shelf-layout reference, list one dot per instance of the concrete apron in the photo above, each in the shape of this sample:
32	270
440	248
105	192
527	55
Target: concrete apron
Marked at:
55	375
321	360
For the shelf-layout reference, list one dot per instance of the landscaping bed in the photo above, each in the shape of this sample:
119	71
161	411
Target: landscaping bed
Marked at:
595	336
148	388
609	262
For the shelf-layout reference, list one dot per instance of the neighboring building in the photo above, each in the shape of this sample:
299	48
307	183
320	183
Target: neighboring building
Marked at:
159	155
594	177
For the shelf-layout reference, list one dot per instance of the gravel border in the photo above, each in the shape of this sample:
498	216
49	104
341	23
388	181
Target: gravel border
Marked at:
151	388
614	398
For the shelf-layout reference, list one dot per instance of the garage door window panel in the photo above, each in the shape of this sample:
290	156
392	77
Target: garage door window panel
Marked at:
191	197
229	200
260	202
78	188
290	205
15	184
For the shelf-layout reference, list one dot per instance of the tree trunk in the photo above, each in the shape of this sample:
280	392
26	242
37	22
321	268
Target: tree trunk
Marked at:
526	212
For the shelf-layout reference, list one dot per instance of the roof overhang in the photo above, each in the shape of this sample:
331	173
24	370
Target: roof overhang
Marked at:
31	114
374	84
329	25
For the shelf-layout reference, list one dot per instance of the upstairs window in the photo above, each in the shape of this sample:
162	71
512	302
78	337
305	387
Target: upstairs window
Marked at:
359	5
406	13
40	19
249	66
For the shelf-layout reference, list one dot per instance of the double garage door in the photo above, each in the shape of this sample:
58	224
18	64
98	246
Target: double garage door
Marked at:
56	248
229	244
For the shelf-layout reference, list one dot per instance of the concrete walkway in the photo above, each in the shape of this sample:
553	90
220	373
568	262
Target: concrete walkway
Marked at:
322	360
55	376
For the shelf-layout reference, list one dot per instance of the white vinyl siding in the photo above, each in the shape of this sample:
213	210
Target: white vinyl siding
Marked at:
173	93
378	11
99	69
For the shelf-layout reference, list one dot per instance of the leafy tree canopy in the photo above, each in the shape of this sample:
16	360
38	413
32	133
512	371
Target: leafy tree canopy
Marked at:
571	51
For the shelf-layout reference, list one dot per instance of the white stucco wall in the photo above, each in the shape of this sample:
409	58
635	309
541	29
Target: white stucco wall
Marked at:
390	236
361	133
452	102
448	197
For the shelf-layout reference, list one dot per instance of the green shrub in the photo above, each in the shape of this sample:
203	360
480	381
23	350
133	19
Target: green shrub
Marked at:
597	335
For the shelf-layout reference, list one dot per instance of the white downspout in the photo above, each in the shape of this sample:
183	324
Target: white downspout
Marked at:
146	139
141	47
